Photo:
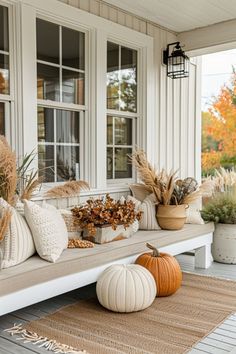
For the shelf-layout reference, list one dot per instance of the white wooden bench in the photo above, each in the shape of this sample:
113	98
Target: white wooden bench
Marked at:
36	280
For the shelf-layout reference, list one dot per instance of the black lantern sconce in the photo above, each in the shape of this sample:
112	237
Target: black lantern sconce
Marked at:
177	62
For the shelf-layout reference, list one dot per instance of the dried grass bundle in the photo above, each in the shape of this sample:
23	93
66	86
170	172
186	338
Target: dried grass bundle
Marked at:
69	189
4	223
167	188
8	173
28	181
224	179
159	183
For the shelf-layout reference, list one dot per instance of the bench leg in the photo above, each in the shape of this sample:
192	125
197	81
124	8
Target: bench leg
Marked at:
203	257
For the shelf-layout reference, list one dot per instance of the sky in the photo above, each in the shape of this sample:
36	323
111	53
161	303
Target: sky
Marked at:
216	71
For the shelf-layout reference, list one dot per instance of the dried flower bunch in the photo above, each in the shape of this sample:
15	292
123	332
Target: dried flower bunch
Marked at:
168	189
99	212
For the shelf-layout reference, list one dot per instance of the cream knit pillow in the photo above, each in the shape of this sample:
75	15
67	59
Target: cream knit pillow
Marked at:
18	244
148	208
48	229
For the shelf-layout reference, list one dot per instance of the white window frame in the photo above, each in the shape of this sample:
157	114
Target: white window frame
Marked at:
63	105
9	100
99	31
135	116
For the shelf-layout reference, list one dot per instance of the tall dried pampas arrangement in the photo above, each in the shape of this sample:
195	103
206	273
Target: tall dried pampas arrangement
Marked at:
168	189
8	174
15	182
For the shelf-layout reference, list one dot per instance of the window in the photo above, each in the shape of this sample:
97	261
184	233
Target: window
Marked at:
121	109
61	100
4	67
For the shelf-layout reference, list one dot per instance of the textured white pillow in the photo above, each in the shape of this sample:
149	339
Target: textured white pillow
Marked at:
48	229
18	244
148	208
193	213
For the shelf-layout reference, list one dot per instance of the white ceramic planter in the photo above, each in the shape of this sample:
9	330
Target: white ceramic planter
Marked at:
107	234
224	243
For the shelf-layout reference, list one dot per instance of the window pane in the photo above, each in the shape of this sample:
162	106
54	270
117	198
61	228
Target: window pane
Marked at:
123	131
109	130
128	76
67	126
123	167
47	41
4	75
72	87
112	76
67	163
109	163
121	78
45	125
4	36
2	119
46	162
72	48
48	82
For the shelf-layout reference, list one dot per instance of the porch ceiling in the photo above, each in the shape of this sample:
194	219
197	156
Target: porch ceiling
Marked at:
180	16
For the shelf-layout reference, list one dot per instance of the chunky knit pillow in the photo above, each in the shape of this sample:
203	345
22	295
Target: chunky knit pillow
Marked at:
18	244
148	208
48	229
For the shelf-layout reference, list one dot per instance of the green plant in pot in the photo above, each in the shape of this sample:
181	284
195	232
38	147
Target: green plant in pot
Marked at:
221	209
173	195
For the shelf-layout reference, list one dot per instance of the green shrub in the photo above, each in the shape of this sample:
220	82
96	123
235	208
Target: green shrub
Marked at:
221	209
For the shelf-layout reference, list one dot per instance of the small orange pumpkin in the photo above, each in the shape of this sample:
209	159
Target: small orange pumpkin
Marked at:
164	268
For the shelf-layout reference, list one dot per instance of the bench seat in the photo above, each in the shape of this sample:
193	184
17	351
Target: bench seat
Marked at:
36	279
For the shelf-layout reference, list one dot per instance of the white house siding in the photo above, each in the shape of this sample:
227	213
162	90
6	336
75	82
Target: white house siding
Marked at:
176	103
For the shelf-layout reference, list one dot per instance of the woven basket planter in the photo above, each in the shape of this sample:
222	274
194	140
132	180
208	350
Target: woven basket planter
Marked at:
171	217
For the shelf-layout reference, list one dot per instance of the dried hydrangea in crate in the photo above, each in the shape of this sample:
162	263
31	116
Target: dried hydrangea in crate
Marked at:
106	220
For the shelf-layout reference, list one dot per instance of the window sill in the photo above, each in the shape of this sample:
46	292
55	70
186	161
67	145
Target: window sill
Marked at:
92	192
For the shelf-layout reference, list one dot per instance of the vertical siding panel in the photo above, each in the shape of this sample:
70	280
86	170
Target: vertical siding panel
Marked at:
74	3
104	11
163	103
84	5
113	14
121	18
176	124
136	24
143	26
183	128
129	21
191	121
94	7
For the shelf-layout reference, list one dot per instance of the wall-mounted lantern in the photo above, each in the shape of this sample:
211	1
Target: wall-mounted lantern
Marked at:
177	61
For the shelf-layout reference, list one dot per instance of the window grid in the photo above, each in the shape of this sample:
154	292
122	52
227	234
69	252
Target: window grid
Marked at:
63	106
121	114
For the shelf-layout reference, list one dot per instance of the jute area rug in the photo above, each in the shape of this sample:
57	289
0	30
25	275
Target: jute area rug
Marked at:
172	325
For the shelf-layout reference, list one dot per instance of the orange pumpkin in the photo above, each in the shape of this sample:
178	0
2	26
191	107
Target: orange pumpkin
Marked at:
164	268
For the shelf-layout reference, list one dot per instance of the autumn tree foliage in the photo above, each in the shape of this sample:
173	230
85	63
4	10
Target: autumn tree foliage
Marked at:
219	130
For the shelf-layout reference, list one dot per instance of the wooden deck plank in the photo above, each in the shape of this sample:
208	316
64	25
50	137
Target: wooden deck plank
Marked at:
217	344
210	349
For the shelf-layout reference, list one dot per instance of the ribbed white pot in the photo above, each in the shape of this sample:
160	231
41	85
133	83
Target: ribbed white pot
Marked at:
224	243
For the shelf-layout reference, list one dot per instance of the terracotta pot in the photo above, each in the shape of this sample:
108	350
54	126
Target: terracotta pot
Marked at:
171	217
224	243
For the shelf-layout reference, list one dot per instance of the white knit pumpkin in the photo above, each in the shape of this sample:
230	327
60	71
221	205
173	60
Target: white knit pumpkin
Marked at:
126	288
